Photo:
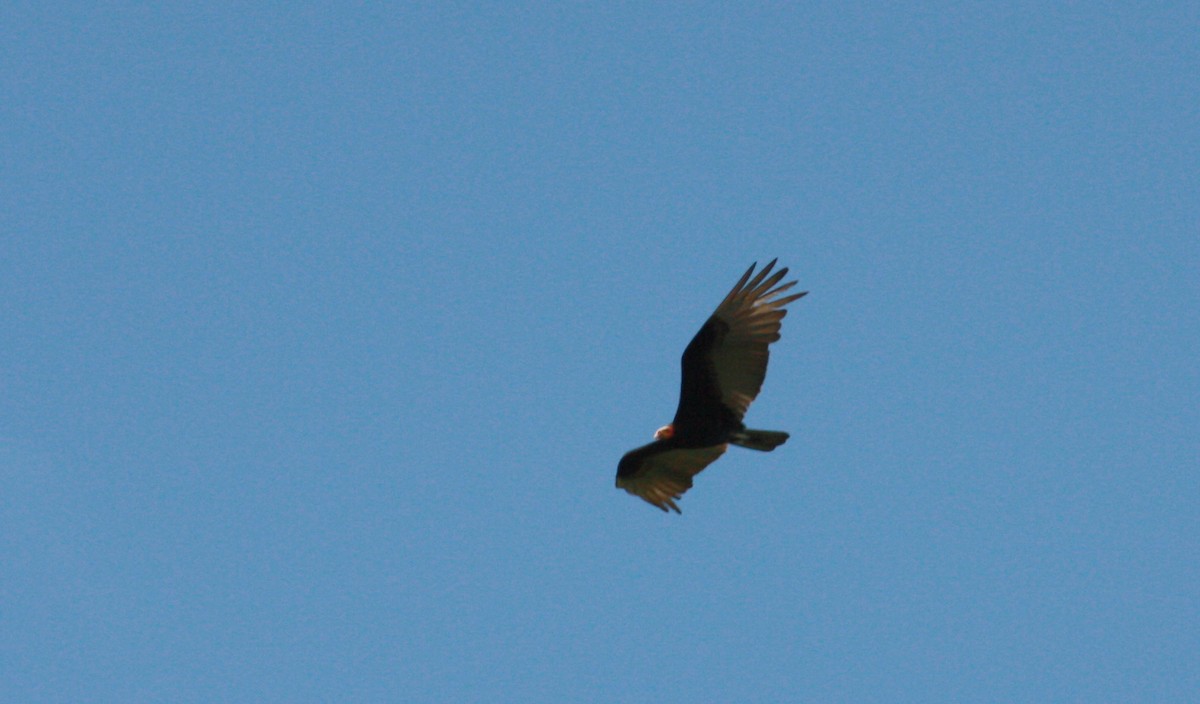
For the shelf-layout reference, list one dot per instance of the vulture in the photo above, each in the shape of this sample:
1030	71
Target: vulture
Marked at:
723	370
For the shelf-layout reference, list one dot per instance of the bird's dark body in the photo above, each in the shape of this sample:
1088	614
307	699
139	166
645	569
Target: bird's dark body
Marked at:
701	419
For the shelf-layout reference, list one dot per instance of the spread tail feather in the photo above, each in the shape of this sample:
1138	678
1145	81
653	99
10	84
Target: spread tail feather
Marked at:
764	440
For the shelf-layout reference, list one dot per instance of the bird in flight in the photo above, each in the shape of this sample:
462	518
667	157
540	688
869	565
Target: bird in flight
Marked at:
723	370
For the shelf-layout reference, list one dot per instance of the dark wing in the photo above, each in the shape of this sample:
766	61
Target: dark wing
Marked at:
661	476
725	363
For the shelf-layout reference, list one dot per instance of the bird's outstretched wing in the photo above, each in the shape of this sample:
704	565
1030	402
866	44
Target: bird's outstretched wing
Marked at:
661	476
725	363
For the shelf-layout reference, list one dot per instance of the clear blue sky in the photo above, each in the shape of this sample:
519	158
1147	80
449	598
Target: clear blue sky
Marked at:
323	331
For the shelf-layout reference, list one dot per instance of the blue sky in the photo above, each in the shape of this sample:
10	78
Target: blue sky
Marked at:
324	329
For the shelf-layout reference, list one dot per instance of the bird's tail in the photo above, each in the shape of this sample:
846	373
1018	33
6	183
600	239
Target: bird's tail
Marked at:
764	440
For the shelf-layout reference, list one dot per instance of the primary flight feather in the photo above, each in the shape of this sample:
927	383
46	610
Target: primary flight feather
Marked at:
723	370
